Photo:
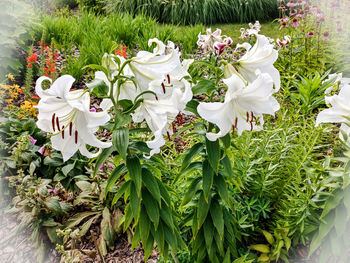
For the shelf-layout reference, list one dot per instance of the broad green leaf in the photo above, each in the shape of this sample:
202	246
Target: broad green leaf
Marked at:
192	189
117	172
170	238
151	184
202	210
226	140
220	183
159	236
192	105
218	217
67	168
190	154
151	206
136	238
144	225
134	168
260	247
268	237
135	202
204	86
120	139
208	176
121	191
128	217
332	202
164	192
106	152
165	214
322	232
213	151
226	163
76	219
227	258
208	230
148	247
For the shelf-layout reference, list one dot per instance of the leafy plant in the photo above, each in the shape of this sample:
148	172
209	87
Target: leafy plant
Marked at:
310	91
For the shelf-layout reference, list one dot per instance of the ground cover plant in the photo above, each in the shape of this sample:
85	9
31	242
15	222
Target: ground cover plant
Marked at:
210	147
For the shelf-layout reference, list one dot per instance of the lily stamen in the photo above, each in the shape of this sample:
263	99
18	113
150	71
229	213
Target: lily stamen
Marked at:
247	116
168	76
163	86
58	124
76	137
53	121
70	128
62	132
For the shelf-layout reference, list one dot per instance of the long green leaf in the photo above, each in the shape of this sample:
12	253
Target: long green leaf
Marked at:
106	152
117	172
213	151
208	177
190	154
120	139
134	168
151	184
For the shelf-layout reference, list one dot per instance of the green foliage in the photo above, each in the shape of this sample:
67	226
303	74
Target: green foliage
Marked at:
332	234
310	91
91	36
14	18
197	11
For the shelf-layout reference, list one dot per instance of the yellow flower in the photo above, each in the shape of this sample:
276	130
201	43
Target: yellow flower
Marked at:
10	77
9	101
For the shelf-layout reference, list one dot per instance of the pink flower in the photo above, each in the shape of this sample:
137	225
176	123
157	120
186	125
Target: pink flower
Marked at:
283	19
101	167
310	34
33	141
41	150
219	47
284	42
325	35
92	109
283	25
293	12
295	22
110	166
291	3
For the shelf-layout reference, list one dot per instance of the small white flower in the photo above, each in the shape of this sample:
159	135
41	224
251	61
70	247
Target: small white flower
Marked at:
243	106
66	115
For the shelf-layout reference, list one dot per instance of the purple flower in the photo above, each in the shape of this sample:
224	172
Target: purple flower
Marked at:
41	150
110	166
32	140
92	109
101	167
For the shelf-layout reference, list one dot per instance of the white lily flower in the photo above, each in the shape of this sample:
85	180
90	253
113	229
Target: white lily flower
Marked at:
66	114
339	112
207	41
260	57
243	106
